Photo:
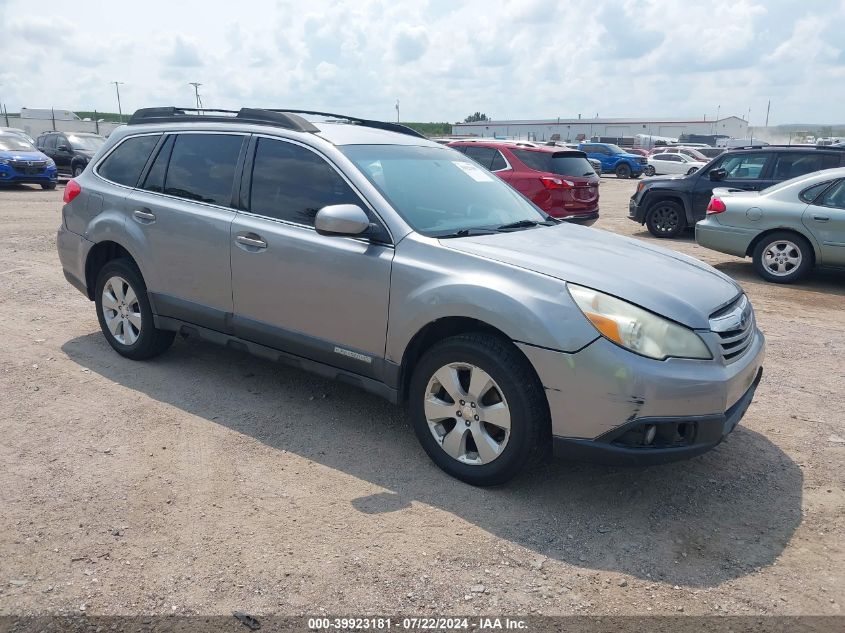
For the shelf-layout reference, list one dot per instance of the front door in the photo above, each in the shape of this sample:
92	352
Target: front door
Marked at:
315	296
825	219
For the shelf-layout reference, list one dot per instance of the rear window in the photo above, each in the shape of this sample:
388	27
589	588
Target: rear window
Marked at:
124	164
568	164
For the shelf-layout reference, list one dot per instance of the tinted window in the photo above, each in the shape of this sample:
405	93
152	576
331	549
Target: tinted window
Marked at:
834	197
498	162
292	183
50	141
202	167
155	177
810	194
595	149
124	164
793	164
482	155
744	166
561	164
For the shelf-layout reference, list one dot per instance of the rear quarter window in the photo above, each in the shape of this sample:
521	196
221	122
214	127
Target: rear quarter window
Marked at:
125	164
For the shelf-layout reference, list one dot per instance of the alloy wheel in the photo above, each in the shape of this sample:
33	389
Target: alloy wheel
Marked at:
121	310
782	257
665	219
467	413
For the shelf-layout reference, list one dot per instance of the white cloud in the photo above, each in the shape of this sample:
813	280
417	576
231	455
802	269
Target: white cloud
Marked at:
441	59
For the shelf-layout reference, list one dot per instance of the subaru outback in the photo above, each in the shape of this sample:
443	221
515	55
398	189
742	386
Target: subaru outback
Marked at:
362	251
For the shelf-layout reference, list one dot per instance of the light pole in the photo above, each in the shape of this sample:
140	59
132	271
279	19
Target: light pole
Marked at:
397	110
117	85
196	86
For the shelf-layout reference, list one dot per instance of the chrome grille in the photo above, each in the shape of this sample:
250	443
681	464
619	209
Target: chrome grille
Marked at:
24	164
734	325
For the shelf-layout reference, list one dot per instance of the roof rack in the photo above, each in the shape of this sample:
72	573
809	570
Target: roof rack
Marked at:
285	118
379	125
793	146
244	115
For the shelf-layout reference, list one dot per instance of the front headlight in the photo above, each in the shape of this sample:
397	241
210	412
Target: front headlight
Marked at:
636	329
51	162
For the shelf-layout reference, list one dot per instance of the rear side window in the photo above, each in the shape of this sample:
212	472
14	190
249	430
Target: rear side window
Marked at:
50	141
125	163
202	167
292	183
833	197
560	164
482	155
793	164
811	193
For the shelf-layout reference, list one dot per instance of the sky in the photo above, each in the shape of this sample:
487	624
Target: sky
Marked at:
441	59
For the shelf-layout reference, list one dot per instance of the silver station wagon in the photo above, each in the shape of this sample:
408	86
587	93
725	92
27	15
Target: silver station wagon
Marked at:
364	252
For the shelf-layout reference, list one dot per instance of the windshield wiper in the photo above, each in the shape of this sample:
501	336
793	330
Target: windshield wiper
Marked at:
519	224
466	233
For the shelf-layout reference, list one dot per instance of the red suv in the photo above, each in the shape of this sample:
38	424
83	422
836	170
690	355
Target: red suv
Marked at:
561	182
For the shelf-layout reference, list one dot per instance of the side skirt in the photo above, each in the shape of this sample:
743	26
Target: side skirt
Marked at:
321	369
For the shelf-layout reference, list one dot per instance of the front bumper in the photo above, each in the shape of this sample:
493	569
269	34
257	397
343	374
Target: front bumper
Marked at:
600	392
10	176
634	211
699	435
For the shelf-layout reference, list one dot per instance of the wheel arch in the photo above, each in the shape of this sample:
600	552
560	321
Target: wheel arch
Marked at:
652	198
98	256
432	333
785	229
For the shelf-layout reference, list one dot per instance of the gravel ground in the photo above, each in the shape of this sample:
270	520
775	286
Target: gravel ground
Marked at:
208	481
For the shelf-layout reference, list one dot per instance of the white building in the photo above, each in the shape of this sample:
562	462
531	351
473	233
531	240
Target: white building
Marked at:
577	129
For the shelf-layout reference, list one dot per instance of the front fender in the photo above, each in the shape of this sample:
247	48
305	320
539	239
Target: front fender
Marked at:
430	283
652	194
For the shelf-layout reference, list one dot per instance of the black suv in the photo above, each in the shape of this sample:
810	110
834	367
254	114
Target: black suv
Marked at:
71	151
668	205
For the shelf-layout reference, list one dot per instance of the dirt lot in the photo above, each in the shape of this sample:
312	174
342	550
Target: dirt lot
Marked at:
208	481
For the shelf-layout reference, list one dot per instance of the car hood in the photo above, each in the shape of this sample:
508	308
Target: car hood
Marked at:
23	155
665	282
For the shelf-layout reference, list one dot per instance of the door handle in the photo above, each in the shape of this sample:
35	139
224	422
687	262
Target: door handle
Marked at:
250	242
144	216
821	218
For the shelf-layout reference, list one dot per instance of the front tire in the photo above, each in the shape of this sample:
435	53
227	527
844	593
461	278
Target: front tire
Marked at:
478	409
77	170
49	186
649	170
783	257
666	219
622	171
125	314
691	171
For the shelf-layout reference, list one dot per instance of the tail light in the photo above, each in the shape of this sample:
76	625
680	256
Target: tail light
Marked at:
716	206
72	189
550	182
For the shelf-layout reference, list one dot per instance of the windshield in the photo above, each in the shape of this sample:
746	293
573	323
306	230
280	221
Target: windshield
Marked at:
15	144
90	143
695	154
615	149
439	191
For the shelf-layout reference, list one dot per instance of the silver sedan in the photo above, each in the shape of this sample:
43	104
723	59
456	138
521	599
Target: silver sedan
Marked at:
786	229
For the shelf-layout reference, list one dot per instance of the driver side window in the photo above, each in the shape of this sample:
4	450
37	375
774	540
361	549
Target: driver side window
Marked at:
744	166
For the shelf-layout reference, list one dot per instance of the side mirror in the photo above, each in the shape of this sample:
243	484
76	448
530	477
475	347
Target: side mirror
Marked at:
341	220
63	148
718	174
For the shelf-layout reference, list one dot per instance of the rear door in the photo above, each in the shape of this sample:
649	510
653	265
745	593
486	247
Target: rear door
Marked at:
63	153
317	296
182	215
825	218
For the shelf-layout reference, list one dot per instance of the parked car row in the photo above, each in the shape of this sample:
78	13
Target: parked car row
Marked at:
70	151
22	163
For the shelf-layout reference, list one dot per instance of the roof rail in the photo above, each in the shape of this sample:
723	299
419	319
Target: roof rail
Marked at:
793	146
379	125
244	115
279	117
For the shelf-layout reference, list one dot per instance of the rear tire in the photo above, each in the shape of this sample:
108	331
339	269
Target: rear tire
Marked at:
666	218
48	186
510	426
783	257
125	314
77	170
622	171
